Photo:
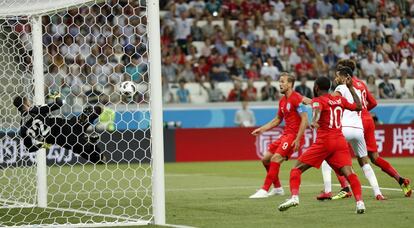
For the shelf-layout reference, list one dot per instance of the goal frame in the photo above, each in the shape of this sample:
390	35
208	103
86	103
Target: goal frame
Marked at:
156	119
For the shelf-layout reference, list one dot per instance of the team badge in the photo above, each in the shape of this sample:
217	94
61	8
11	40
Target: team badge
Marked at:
288	107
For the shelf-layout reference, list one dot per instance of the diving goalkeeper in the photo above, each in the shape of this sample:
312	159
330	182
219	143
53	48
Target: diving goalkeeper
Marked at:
39	128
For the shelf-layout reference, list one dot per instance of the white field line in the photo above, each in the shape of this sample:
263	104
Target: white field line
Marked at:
208	189
72	210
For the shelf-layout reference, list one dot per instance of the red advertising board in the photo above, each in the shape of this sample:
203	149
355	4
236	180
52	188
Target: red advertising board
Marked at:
227	144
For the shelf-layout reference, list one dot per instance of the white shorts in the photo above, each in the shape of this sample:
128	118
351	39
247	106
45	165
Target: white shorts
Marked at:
355	137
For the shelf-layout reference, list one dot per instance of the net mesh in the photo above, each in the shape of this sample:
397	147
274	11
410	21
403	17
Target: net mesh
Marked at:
89	49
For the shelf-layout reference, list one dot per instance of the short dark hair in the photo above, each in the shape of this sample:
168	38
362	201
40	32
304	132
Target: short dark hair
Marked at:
18	102
323	83
344	71
347	63
290	77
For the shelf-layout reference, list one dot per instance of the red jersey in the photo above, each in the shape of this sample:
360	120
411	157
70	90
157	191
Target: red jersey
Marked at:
332	108
368	102
290	109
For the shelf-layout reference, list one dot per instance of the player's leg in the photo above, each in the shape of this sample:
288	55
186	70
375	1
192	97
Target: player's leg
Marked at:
340	160
313	157
356	188
369	134
272	176
261	193
280	151
389	169
326	194
355	137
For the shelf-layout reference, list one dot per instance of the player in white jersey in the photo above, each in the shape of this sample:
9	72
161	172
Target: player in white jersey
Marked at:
353	131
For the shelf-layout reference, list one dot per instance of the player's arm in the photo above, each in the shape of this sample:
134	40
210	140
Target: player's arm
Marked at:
302	128
306	100
45	109
271	124
357	106
316	114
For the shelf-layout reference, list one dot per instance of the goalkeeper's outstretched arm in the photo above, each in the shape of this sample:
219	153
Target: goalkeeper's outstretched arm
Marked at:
45	109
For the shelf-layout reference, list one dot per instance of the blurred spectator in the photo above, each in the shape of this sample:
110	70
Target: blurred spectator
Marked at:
236	94
329	34
250	93
271	18
252	72
213	7
369	66
330	59
183	94
406	48
214	93
208	29
304	68
377	25
187	74
319	45
324	9
197	8
183	28
371	7
337	46
388	67
354	42
196	32
315	33
237	69
395	55
407	68
269	69
398	33
372	86
278	4
346	54
219	71
303	88
93	95
311	9
341	10
245	117
268	91
387	88
167	96
402	91
378	53
169	69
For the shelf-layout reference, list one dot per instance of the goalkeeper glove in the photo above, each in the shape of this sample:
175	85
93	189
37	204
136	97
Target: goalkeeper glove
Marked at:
54	95
46	146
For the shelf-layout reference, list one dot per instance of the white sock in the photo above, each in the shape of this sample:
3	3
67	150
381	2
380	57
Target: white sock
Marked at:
370	175
326	175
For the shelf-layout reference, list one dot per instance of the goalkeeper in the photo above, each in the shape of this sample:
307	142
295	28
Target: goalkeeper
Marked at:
39	128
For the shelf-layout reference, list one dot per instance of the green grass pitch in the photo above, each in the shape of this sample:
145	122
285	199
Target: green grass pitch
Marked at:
215	194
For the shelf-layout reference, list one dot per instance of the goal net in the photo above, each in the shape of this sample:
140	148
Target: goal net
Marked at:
91	158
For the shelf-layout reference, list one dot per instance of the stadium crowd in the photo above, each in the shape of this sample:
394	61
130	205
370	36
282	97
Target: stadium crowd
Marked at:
230	40
89	51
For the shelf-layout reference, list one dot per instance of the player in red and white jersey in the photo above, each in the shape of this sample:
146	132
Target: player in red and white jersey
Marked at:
330	144
368	103
353	131
292	111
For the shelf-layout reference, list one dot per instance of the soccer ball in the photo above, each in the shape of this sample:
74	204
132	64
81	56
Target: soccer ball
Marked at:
128	88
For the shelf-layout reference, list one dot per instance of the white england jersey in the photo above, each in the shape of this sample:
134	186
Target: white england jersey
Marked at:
350	118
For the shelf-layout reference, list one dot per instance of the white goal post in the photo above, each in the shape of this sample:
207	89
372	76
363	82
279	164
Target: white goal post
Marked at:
42	49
